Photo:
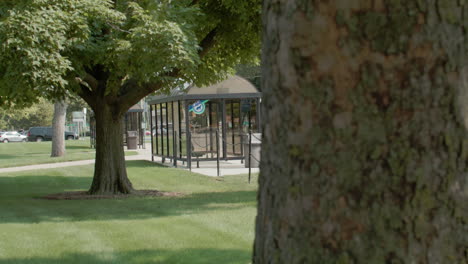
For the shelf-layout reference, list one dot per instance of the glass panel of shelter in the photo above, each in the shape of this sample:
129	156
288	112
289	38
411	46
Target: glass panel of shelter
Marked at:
240	117
234	128
182	136
166	129
157	129
169	131
169	128
204	124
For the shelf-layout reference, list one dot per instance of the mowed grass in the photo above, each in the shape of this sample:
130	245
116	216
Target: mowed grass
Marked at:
28	153
212	223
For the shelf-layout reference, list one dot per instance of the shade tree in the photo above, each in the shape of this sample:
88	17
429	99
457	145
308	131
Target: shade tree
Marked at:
114	53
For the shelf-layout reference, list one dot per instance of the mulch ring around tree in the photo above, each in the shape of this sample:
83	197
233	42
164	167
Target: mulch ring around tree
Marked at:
83	195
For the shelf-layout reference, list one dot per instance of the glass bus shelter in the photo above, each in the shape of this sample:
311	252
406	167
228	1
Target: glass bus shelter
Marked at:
206	123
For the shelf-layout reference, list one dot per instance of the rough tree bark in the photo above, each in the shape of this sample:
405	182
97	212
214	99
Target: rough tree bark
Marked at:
364	156
110	174
58	128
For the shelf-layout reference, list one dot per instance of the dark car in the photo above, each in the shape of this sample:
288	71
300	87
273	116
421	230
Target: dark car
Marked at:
39	134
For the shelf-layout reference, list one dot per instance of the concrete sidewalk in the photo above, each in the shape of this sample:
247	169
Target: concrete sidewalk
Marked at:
143	154
207	168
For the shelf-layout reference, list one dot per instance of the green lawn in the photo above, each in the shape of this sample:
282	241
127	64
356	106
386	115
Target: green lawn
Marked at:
27	153
212	223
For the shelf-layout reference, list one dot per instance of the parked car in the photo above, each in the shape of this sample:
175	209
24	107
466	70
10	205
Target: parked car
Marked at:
71	135
12	136
39	134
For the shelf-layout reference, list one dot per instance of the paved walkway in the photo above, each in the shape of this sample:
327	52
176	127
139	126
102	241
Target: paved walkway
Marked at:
142	155
206	167
209	168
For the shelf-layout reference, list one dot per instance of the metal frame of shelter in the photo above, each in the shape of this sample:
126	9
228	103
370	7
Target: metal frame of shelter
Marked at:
207	123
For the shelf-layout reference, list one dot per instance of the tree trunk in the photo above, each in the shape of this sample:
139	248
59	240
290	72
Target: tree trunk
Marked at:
58	128
110	174
364	155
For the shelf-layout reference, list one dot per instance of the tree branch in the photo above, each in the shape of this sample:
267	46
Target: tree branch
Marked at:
91	82
88	86
132	92
208	42
87	95
117	28
194	2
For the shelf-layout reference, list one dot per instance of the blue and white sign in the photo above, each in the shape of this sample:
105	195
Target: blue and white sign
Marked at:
198	107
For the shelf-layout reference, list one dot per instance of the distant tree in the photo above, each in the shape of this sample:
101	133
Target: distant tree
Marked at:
114	53
251	72
39	114
58	126
365	148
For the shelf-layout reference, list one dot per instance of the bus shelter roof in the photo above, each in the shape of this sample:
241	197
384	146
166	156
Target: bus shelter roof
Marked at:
231	88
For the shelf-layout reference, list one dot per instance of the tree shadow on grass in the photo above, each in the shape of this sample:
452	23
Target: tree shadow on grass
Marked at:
182	256
87	147
19	203
4	157
143	164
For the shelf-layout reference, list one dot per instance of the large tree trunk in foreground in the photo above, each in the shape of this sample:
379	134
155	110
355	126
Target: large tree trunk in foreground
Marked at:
58	127
364	156
110	174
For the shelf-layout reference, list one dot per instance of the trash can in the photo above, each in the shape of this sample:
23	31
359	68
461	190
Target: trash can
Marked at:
132	137
255	149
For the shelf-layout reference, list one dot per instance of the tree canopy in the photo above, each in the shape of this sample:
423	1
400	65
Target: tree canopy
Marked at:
51	47
38	114
114	53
